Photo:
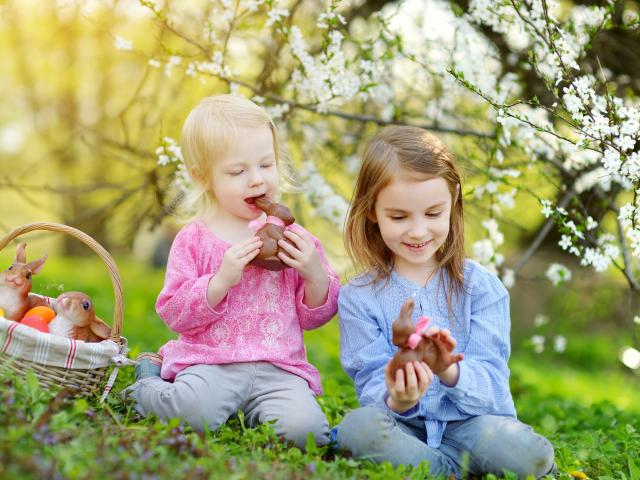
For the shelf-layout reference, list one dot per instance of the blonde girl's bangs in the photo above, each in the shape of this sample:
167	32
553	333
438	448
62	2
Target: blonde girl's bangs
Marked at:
209	131
212	127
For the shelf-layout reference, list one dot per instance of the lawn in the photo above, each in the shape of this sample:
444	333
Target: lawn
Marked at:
590	412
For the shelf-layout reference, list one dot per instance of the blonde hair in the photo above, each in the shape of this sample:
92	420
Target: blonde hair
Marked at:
210	129
415	150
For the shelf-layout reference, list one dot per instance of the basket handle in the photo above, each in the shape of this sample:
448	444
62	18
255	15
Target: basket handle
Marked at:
93	245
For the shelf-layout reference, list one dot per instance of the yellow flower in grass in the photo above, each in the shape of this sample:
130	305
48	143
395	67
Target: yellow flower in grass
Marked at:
578	475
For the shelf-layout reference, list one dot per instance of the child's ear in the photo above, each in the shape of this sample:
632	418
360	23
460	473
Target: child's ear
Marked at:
371	216
198	177
195	174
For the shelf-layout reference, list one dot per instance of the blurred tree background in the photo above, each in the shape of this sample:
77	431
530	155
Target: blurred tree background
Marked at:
94	94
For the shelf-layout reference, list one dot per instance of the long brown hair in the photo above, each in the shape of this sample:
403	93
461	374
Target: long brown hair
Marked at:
415	150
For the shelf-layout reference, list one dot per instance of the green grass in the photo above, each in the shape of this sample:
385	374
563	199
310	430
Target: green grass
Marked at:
590	412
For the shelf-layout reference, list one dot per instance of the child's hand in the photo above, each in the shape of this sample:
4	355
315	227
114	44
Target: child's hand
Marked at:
235	259
439	348
302	255
407	386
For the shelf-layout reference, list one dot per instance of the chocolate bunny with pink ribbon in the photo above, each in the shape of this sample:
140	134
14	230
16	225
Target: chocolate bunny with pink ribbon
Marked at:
278	218
415	343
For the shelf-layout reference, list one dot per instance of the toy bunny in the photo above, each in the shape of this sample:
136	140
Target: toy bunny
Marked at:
15	285
278	217
413	344
75	318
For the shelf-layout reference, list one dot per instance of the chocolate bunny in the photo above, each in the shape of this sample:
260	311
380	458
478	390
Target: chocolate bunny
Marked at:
278	217
75	318
16	283
412	345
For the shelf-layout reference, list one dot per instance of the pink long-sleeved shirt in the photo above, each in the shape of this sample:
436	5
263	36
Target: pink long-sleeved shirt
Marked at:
261	319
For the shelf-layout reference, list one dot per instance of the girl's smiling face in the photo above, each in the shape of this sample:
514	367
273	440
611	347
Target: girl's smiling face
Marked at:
413	215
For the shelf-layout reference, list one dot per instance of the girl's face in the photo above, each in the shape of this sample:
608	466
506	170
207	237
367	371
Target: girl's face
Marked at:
413	216
247	170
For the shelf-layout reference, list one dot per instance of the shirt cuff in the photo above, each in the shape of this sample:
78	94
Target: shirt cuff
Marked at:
221	307
330	304
411	413
462	386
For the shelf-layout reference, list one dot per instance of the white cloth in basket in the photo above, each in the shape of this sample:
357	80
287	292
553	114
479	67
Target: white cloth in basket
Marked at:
27	343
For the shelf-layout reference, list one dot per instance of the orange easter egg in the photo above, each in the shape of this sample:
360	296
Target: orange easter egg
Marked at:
45	313
35	321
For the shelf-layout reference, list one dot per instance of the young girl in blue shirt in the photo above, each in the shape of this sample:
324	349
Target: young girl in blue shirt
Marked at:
405	232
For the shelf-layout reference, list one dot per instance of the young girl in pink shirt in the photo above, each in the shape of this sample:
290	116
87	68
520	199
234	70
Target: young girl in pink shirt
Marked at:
240	327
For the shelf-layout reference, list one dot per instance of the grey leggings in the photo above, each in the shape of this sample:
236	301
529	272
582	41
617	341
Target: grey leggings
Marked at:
209	394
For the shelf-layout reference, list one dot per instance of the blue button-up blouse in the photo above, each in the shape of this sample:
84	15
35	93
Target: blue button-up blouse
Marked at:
478	320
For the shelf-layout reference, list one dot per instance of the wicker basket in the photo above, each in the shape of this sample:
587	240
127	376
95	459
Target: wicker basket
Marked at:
18	342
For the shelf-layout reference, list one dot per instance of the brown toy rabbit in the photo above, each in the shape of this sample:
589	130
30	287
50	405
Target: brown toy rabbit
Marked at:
412	345
15	285
278	217
75	318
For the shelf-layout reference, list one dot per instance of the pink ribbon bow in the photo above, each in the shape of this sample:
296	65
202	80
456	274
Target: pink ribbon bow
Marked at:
414	338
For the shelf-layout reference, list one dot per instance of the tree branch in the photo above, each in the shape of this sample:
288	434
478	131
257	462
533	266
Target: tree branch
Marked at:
544	231
628	273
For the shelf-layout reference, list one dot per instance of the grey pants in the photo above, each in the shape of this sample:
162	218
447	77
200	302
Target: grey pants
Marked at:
493	444
209	394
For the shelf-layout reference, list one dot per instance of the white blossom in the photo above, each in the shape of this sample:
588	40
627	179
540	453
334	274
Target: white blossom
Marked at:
558	274
326	17
626	214
574	229
508	277
278	110
600	260
483	251
12	138
169	152
121	43
572	103
276	15
497	238
538	343
326	202
540	320
173	61
559	343
565	242
547	210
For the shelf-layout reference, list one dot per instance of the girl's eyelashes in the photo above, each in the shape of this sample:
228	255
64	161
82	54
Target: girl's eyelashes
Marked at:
397	218
235	173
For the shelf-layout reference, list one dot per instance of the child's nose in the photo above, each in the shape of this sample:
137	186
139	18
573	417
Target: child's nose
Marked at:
255	178
418	229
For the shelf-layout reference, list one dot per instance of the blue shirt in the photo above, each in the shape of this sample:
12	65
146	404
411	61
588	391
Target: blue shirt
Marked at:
479	322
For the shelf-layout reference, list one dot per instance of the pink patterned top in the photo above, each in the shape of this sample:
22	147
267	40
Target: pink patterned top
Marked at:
259	320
